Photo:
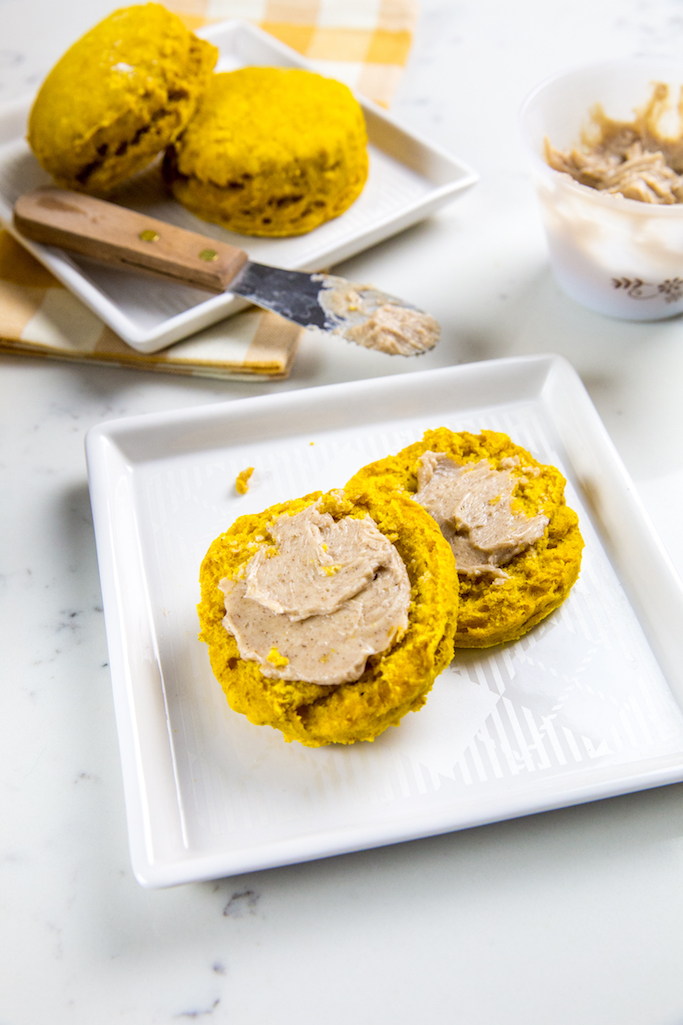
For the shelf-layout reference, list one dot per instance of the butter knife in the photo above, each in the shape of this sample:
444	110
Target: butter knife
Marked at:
123	238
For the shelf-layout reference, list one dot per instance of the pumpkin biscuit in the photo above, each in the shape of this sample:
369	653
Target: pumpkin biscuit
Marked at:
536	581
118	97
394	682
270	151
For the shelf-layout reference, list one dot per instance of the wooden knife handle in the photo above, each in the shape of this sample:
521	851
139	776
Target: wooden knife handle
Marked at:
115	235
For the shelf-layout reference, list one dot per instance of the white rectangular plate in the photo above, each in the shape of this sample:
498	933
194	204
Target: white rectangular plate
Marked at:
409	179
580	708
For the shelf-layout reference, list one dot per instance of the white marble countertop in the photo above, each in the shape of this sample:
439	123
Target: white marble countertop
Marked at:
571	916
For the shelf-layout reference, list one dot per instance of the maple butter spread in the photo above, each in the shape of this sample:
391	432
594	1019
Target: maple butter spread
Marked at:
498	507
375	320
351	571
397	330
472	505
317	602
636	159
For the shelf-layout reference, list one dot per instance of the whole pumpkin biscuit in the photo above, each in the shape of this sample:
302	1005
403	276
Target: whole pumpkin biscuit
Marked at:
270	151
395	680
498	603
118	97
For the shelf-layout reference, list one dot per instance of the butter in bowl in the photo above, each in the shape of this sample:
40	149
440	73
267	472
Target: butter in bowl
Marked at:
606	147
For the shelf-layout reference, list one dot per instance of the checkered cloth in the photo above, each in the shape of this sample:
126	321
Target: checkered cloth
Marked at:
364	43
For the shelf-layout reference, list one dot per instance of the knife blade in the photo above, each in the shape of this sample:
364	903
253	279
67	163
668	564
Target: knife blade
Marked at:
124	238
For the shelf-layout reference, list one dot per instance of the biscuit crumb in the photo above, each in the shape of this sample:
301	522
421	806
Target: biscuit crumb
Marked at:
242	480
276	659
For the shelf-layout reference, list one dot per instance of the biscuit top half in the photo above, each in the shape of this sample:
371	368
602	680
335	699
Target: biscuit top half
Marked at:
300	115
136	70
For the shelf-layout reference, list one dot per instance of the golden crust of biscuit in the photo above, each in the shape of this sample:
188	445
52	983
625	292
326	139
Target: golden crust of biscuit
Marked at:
539	579
271	151
118	97
394	682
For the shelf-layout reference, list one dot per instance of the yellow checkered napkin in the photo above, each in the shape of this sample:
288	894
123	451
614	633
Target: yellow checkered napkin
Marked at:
39	317
362	42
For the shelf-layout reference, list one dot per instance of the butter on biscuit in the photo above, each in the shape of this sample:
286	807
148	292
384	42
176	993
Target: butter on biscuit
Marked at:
517	545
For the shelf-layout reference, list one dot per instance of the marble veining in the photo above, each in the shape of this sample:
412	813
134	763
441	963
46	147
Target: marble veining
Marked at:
241	904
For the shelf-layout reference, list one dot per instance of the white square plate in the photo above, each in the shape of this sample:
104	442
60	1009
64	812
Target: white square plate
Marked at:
580	708
409	179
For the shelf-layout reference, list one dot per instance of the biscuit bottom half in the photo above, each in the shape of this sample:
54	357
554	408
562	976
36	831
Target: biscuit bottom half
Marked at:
394	682
537	580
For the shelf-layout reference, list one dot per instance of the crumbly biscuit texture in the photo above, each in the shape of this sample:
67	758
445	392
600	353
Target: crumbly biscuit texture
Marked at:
271	151
537	580
394	682
118	97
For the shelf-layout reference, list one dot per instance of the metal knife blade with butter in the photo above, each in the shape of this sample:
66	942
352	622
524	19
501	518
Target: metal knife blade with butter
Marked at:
124	238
